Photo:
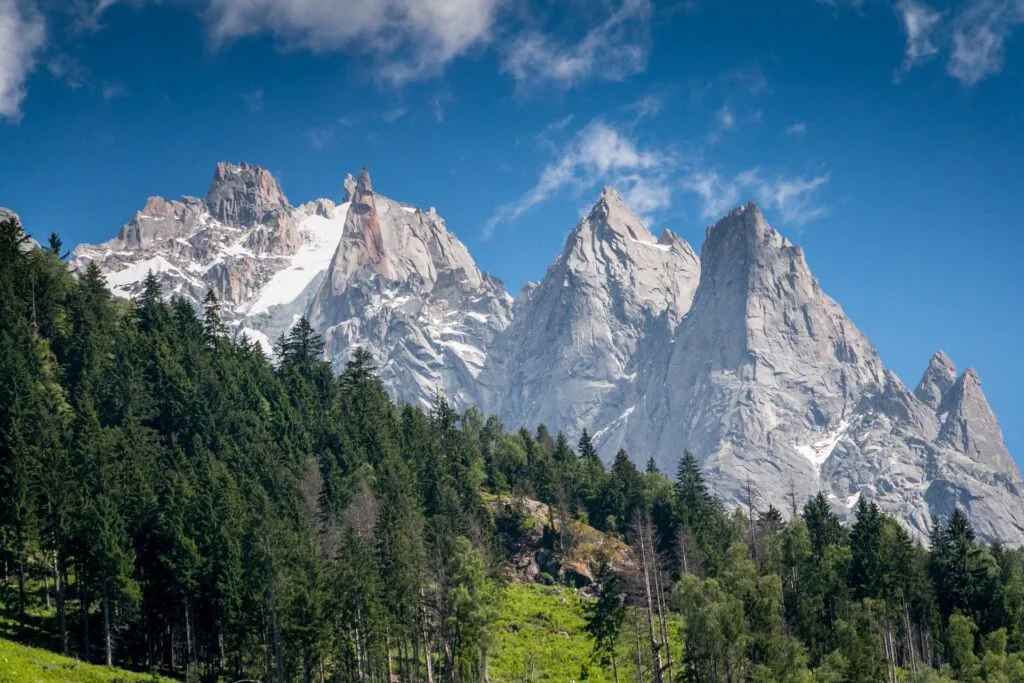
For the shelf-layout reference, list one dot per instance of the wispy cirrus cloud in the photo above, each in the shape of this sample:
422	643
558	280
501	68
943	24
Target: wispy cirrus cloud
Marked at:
919	24
22	37
980	34
598	154
974	33
613	50
647	106
794	197
797	128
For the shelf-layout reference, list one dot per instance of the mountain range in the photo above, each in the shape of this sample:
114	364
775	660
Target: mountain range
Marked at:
735	354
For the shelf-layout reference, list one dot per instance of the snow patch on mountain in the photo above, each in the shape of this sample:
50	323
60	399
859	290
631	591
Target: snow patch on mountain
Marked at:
820	451
320	237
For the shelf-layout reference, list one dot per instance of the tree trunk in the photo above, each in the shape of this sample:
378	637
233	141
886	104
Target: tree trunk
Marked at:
189	654
615	667
83	601
637	646
58	589
663	617
21	596
645	568
108	641
276	635
427	649
359	656
387	648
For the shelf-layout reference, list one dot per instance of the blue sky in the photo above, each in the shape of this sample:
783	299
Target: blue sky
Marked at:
884	136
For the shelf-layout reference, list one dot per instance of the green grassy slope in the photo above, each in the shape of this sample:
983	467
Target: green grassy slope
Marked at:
540	630
21	664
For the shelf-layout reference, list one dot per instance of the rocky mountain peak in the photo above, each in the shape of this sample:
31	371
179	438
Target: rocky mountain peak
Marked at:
364	185
970	426
938	378
349	188
403	286
362	227
612	218
740	236
573	343
245	195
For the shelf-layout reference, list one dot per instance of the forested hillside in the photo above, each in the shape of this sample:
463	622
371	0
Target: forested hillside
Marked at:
193	509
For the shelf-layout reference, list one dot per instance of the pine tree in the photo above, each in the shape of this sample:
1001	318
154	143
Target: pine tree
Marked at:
606	615
213	328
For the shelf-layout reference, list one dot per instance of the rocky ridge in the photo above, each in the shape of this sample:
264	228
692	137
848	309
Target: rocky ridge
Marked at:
737	354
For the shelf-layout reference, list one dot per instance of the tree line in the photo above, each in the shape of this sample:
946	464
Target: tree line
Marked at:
192	508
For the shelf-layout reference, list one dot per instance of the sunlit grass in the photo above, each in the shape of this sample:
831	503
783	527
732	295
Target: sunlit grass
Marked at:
22	664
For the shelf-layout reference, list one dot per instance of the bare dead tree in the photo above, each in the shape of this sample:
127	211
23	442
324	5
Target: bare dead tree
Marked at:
648	590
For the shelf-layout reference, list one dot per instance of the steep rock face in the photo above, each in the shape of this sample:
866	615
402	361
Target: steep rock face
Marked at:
571	345
763	365
938	378
969	426
772	386
401	285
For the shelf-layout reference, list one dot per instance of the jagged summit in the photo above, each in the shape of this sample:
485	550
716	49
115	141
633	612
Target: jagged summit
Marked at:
364	184
349	187
970	426
572	345
244	194
744	228
938	379
402	285
611	217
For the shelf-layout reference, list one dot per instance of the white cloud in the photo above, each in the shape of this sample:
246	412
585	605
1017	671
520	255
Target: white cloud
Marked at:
718	195
980	33
798	128
919	23
598	154
22	36
647	106
409	39
612	51
793	197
